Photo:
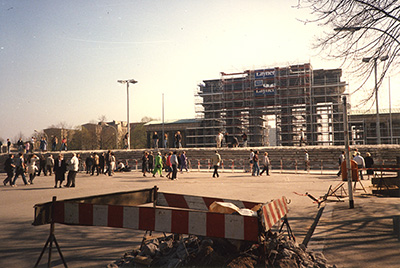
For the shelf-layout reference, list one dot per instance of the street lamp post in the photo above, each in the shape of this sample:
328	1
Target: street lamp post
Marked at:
127	82
347	150
378	123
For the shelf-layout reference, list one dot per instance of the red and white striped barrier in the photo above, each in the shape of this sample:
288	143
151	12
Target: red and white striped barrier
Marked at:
273	212
158	219
171	213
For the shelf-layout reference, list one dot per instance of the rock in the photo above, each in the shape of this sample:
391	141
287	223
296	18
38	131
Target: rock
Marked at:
192	251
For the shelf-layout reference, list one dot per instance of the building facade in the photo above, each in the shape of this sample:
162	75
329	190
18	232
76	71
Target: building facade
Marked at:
281	101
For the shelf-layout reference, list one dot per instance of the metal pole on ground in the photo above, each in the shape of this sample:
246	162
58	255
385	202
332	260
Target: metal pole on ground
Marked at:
347	150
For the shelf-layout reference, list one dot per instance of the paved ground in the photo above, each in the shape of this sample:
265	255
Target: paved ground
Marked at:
360	237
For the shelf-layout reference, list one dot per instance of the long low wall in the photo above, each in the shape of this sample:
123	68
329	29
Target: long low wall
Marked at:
325	157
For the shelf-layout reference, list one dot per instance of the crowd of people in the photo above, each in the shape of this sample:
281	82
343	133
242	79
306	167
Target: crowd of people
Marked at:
31	145
156	140
228	140
170	163
29	166
362	163
254	161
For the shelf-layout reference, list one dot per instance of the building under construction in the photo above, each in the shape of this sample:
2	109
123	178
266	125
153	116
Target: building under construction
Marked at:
274	104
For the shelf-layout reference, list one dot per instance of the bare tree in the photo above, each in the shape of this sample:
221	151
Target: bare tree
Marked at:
102	118
361	33
147	119
62	125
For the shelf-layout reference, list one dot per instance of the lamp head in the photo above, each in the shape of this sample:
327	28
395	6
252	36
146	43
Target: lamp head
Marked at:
132	81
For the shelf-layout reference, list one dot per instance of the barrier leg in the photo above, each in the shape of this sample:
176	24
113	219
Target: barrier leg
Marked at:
289	230
49	242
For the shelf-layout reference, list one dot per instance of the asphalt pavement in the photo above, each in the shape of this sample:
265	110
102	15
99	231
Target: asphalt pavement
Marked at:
359	237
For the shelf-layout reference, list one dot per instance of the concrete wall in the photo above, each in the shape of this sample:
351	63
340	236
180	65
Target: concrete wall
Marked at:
327	156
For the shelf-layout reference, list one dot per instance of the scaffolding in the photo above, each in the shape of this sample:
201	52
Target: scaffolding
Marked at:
297	97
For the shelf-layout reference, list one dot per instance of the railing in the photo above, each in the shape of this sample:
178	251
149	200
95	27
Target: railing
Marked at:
243	165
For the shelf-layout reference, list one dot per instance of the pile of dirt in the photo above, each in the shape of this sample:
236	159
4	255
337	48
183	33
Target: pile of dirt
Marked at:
193	251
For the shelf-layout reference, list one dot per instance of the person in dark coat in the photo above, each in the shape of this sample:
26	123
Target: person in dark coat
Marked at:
369	162
42	165
101	163
145	161
9	168
60	167
89	163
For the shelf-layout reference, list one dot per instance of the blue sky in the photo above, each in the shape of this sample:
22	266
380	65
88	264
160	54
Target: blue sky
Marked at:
60	60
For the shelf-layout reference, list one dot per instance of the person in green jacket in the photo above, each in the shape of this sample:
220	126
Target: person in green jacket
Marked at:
158	165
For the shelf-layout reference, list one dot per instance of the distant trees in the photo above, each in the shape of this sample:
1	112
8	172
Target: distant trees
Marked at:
94	136
138	137
368	30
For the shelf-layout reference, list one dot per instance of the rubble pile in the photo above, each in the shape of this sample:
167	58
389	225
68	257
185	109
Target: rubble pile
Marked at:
193	251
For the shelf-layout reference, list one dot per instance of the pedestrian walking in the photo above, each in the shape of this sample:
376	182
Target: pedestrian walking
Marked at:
9	168
360	164
108	161
113	164
227	141
256	166
155	140
183	162
96	164
145	160
150	161
27	147
49	164
169	165
266	164
302	137
32	167
42	165
102	161
60	167
20	145
33	142
20	168
342	157
165	140
306	161
89	161
8	146
244	138
54	143
178	140
174	163
43	144
251	159
215	162
63	144
158	165
73	168
218	139
369	162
